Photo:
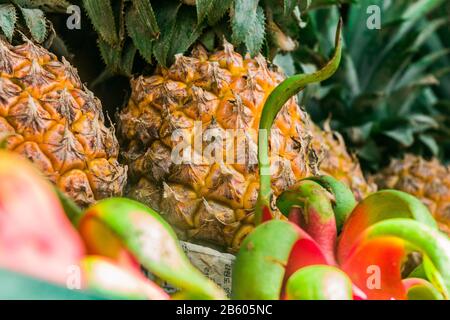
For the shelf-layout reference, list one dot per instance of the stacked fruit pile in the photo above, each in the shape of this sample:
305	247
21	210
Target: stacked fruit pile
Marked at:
287	203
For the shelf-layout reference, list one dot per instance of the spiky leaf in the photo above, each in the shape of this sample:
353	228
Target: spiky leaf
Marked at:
204	7
146	16
46	5
128	59
248	25
186	31
179	30
102	17
110	55
167	14
8	20
139	33
255	38
243	18
36	23
220	8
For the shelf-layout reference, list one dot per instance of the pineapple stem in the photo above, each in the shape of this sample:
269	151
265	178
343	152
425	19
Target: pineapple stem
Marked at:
279	96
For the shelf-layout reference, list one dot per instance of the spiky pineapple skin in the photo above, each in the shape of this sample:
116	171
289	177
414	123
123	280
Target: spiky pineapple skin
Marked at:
337	162
428	180
48	116
214	202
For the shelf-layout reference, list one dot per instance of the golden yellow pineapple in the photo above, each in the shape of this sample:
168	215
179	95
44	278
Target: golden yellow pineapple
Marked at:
337	162
49	117
427	180
222	95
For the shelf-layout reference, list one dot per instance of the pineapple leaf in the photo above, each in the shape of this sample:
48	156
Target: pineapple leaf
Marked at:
421	122
420	8
146	16
220	8
167	15
36	23
427	31
204	7
46	5
179	30
128	59
102	17
289	5
405	96
430	143
8	20
110	55
208	40
390	50
255	39
286	63
419	67
404	136
139	32
248	25
186	31
243	18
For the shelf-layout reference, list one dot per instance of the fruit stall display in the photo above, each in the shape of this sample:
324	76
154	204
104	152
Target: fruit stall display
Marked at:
94	200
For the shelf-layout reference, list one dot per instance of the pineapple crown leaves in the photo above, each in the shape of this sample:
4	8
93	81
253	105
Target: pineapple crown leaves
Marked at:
158	30
28	15
389	80
45	5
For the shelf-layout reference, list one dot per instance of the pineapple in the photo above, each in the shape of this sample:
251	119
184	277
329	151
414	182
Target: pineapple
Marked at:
338	163
213	201
427	180
49	117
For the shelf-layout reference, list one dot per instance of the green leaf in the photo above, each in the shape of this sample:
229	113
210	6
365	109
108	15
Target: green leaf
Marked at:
8	20
220	8
255	38
128	59
430	143
243	19
167	15
146	16
112	56
179	30
417	68
392	40
286	63
420	8
139	33
118	60
102	17
288	6
248	25
46	5
36	23
321	3
186	32
204	7
421	122
402	135
427	31
208	40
